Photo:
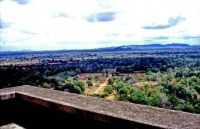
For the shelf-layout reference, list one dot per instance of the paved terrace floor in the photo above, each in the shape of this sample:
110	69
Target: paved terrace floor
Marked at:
109	111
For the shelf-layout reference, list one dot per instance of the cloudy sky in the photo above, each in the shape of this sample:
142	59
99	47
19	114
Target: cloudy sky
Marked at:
85	24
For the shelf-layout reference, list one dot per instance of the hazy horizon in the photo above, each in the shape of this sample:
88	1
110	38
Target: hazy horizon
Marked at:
75	24
108	47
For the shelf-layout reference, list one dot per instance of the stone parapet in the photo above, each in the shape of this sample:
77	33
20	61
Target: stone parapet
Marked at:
109	111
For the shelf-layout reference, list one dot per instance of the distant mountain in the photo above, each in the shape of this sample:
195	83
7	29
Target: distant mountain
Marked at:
128	47
177	45
113	48
162	45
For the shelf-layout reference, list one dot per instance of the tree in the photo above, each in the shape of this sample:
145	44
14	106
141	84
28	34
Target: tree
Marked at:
155	100
126	78
45	85
89	83
104	94
76	78
172	101
106	72
139	97
113	72
131	81
122	97
77	89
81	85
197	106
108	89
77	70
118	86
152	77
68	86
103	72
117	73
96	79
125	89
110	81
149	72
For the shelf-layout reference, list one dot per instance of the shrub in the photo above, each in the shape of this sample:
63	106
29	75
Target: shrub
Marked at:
89	77
45	85
89	83
108	89
104	94
96	79
139	97
110	81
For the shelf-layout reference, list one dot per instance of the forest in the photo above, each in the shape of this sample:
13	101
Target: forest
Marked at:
165	77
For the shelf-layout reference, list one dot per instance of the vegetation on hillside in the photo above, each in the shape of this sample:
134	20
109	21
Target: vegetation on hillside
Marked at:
166	78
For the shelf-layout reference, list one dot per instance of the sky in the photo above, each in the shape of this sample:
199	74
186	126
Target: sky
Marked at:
86	24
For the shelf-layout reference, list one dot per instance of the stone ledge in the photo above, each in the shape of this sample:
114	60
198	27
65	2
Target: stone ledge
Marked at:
11	126
103	110
6	96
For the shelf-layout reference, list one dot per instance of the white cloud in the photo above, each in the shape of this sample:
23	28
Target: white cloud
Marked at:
64	24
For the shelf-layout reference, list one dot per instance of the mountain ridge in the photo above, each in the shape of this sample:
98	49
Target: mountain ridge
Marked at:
172	45
118	48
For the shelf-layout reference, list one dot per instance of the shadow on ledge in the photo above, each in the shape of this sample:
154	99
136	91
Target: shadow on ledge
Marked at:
32	116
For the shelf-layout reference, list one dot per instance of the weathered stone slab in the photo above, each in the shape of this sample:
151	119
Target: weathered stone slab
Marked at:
6	96
105	110
11	126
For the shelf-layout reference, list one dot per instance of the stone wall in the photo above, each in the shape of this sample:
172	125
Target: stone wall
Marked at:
85	110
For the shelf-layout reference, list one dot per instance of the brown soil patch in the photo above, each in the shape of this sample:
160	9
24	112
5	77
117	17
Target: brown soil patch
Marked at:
135	74
97	87
21	63
83	76
151	83
111	96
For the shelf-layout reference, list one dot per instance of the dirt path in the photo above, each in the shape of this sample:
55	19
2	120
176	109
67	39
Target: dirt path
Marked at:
112	95
92	90
99	89
102	86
